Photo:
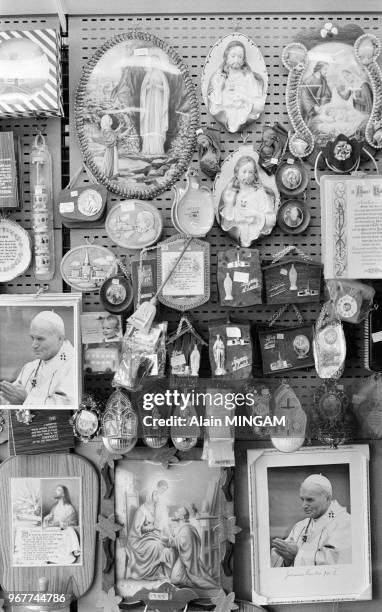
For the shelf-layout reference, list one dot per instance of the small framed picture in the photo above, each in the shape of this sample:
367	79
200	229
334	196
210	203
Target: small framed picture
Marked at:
293	217
310	527
40	351
99	327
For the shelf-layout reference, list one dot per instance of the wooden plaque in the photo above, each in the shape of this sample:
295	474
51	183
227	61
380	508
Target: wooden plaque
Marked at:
24	473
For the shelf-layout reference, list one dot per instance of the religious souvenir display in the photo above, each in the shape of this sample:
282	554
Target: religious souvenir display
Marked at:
239	277
80	207
316	555
293	217
367	406
192	210
184	349
136	154
183	274
286	348
86	421
143	354
15	250
134	224
230	350
329	344
246	197
235	82
372	334
144	277
119	424
30	73
348	205
37	373
333	88
292	177
49	510
352	299
272	147
208	140
86	267
333	422
185	501
9	192
290	436
290	279
41	185
260	406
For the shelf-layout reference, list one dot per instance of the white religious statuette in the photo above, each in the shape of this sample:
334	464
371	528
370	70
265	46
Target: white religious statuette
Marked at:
195	361
228	288
219	356
293	278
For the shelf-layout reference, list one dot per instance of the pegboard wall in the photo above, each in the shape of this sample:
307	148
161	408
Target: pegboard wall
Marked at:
192	36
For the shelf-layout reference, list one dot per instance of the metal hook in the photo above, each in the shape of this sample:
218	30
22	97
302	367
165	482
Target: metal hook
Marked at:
41	289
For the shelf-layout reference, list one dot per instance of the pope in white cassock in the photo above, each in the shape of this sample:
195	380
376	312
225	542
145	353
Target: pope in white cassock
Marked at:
48	379
324	537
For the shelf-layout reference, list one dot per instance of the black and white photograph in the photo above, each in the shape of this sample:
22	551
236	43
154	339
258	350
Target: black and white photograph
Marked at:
101	327
310	525
46	521
170	519
39	351
309	515
235	81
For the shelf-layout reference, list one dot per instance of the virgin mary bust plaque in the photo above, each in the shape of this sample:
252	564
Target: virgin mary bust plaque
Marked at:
136	115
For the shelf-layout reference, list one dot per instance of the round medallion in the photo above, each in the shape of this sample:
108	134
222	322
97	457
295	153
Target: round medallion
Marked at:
116	294
89	202
140	134
301	346
15	250
347	306
293	217
292	177
330	405
134	224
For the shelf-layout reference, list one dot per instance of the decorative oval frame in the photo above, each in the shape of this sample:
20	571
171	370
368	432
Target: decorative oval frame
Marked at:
366	48
256	63
24	246
121	237
185	151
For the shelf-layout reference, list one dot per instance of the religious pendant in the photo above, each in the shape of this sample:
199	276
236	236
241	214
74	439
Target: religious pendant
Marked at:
119	424
329	344
184	434
86	421
272	147
208	141
290	435
332	419
260	408
367	404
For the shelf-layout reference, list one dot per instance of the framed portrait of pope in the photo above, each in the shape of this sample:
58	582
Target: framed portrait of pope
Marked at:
40	351
309	525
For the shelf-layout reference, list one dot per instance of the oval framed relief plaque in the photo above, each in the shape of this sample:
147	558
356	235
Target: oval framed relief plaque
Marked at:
136	115
15	250
134	224
235	82
86	267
